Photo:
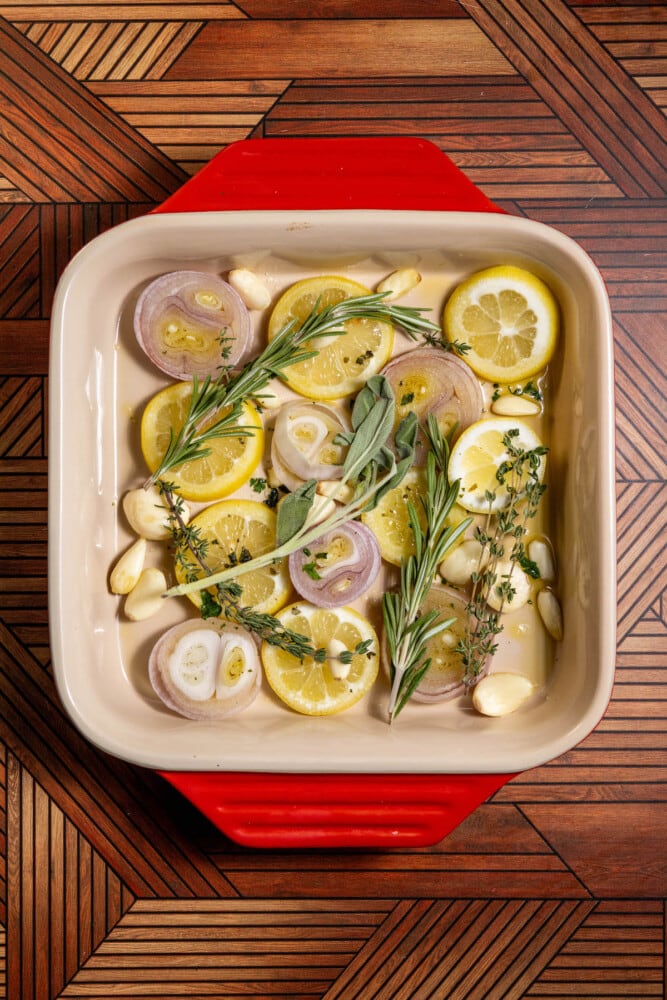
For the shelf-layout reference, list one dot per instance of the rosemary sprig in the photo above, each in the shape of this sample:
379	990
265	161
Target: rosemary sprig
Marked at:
406	628
370	465
292	344
519	475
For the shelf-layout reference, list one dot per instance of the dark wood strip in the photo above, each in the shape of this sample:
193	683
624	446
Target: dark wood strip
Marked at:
580	81
119	164
621	13
165	861
523	884
274	9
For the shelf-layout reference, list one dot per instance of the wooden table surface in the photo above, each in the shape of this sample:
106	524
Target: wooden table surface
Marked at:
111	884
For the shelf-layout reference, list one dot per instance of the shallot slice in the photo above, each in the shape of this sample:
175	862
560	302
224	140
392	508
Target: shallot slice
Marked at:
337	568
428	380
444	678
205	672
303	440
192	323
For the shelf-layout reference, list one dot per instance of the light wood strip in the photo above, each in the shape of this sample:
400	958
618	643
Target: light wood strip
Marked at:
303	48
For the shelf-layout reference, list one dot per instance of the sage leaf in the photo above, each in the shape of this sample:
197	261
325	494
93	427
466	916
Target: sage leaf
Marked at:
293	511
372	420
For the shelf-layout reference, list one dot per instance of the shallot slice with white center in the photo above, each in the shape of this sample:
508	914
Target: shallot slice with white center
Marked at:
428	380
303	440
205	672
192	323
337	568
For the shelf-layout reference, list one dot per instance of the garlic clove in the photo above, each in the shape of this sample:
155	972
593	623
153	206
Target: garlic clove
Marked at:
551	614
148	515
125	574
338	669
540	553
519	582
146	598
399	283
252	290
459	565
500	694
327	488
515	406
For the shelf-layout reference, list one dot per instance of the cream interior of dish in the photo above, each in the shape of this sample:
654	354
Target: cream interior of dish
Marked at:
524	646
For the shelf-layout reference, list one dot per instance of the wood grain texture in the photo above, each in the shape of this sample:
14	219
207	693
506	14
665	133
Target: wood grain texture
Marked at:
111	884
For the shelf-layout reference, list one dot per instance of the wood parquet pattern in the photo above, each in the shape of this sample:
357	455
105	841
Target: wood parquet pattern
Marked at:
110	883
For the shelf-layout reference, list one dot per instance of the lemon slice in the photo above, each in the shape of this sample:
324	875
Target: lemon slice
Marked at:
390	522
508	317
314	688
343	363
237	530
231	460
479	453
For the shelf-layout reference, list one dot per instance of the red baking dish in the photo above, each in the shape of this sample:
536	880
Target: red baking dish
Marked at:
339	799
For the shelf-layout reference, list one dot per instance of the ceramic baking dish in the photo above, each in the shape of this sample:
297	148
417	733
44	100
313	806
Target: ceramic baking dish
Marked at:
99	383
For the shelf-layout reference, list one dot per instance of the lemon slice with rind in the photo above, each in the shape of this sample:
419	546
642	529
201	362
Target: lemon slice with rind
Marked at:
479	453
234	531
508	317
329	687
344	362
230	462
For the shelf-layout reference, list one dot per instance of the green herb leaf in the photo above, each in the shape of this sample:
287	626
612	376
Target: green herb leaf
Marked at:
293	511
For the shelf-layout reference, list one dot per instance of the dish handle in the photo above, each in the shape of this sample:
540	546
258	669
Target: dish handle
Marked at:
332	810
395	172
335	810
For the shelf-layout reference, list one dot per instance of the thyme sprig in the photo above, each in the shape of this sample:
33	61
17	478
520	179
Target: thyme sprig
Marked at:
190	551
501	537
226	394
407	629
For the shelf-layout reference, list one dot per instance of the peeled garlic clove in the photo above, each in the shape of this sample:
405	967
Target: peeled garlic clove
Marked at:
252	290
399	283
550	613
147	513
540	553
519	582
322	508
146	599
125	574
327	488
501	693
515	406
338	669
459	565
